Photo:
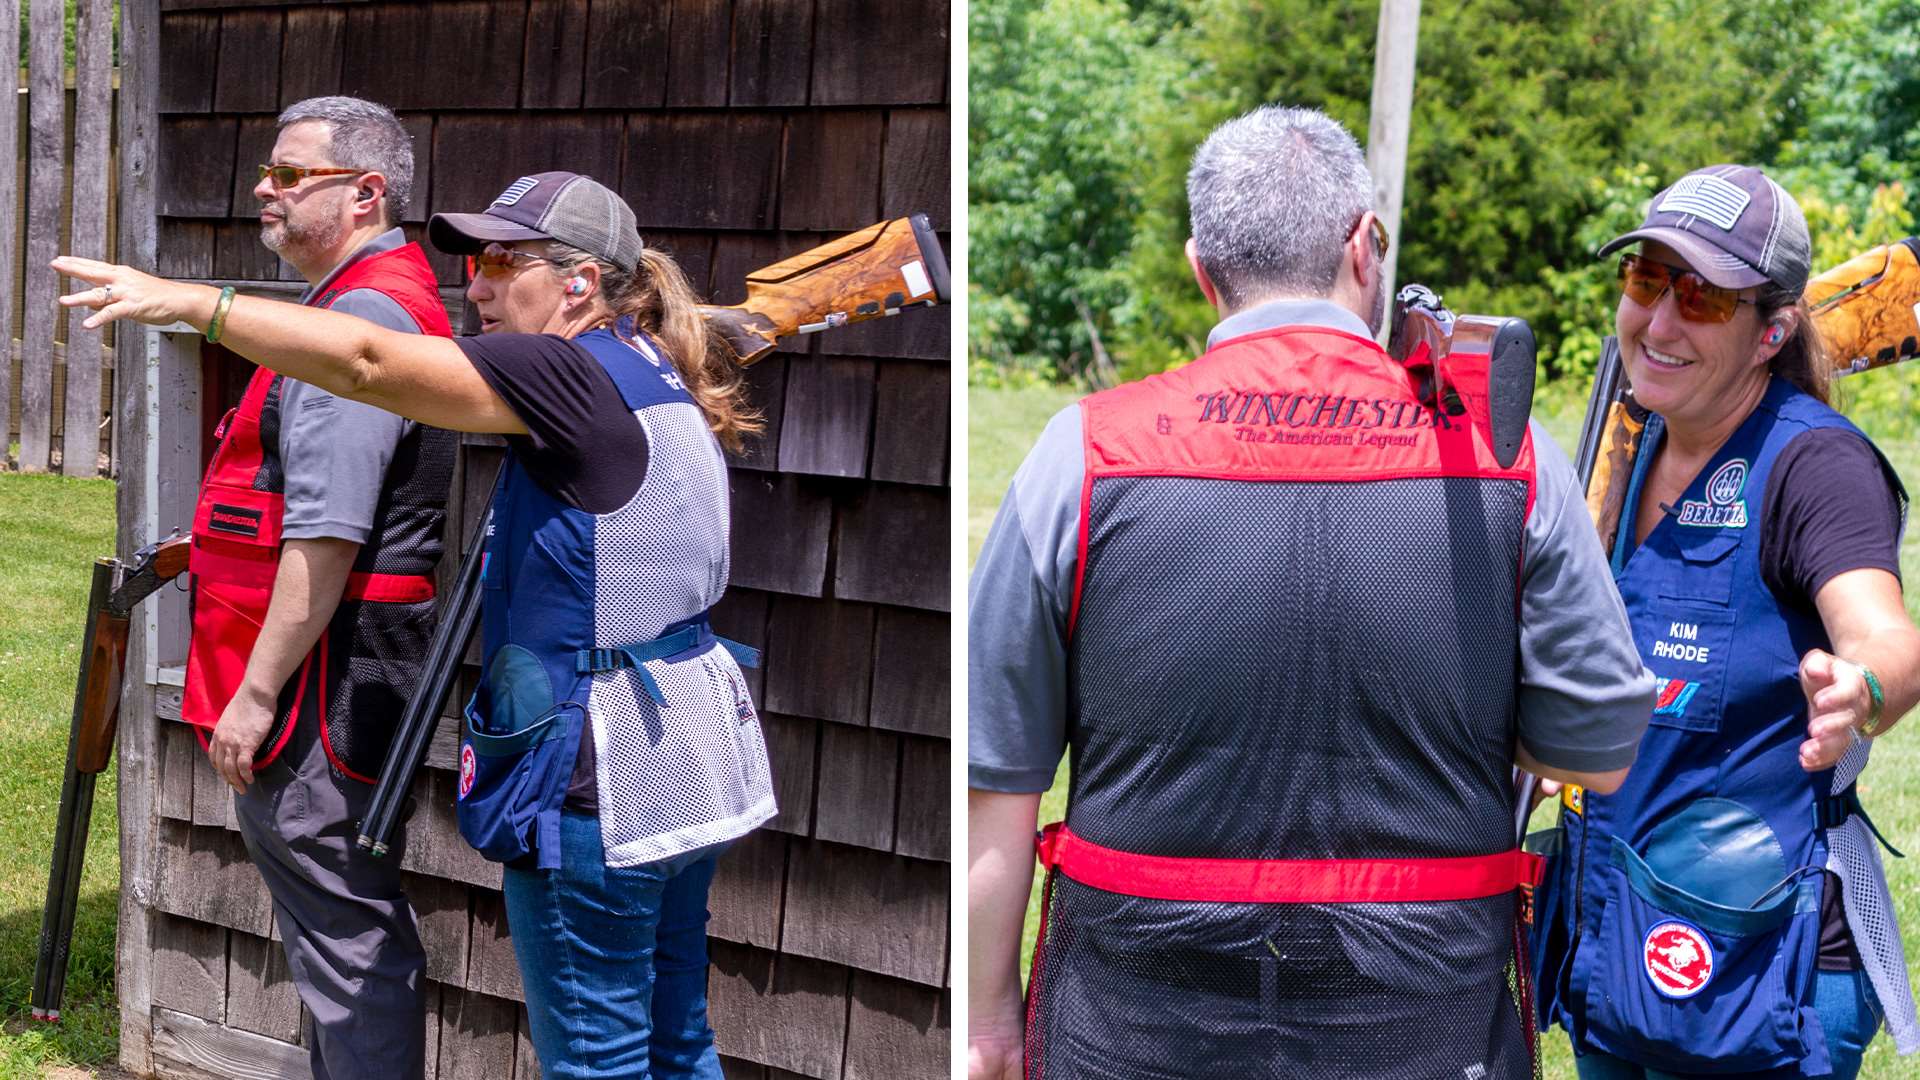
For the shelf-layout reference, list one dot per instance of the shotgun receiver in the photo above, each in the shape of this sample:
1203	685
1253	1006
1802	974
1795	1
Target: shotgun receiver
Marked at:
865	275
117	589
1481	365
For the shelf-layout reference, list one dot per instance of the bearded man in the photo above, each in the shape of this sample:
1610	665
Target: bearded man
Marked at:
315	539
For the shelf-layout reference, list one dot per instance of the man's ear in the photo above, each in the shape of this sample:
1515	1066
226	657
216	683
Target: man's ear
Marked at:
1200	275
1360	257
370	193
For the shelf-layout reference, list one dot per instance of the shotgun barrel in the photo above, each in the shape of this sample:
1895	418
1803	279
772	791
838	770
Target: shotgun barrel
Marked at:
458	614
101	655
117	589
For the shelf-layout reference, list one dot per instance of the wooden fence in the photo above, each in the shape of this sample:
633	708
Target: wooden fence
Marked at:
58	383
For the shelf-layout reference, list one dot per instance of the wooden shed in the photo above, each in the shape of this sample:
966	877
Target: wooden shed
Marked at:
741	131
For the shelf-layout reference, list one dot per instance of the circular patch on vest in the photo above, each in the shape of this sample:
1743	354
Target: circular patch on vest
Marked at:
466	768
1727	482
1678	959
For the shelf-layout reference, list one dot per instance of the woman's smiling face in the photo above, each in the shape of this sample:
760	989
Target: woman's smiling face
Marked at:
1694	374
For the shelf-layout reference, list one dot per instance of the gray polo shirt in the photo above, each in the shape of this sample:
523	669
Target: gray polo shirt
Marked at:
1584	697
335	452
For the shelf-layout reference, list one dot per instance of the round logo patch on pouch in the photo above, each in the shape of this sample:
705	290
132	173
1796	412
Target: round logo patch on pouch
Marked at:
466	769
1678	959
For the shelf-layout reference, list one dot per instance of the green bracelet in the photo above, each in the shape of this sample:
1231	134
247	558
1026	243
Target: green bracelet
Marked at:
219	314
1872	727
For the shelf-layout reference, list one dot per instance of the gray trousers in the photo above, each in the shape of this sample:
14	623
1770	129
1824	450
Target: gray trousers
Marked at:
350	937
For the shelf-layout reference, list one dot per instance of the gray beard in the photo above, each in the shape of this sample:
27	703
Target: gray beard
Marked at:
287	237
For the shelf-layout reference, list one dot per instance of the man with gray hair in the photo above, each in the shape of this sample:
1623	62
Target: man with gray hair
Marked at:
314	547
1297	628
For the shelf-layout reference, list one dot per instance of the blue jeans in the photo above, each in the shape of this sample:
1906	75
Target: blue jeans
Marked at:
614	961
1848	1012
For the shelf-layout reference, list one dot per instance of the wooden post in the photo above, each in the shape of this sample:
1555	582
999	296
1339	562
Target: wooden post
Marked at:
46	164
139	757
1392	115
9	218
93	106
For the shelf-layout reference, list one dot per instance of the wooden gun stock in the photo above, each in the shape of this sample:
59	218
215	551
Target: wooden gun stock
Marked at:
1865	308
98	701
1482	365
865	275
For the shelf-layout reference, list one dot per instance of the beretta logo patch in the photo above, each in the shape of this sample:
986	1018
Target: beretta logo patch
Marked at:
1724	508
234	519
1678	959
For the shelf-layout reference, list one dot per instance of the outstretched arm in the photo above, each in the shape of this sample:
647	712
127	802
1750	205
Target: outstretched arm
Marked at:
418	376
1867	622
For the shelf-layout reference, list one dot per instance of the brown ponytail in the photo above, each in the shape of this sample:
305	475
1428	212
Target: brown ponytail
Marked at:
664	306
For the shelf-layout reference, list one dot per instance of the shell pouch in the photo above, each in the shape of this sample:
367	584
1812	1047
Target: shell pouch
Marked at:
234	558
1705	949
516	759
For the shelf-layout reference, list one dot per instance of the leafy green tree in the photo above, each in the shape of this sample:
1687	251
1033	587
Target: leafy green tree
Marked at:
1057	89
1518	106
1860	112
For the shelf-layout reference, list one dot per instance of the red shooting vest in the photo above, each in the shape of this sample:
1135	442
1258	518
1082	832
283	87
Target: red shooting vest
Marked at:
1292	659
237	543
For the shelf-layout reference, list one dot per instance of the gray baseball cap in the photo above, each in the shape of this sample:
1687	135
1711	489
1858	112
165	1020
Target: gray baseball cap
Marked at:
568	207
1732	224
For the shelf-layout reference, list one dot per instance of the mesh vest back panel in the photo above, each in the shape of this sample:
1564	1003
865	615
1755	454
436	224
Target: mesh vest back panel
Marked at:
1294	637
1307	648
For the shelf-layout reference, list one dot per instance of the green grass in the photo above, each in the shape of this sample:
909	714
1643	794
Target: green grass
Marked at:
1002	425
51	529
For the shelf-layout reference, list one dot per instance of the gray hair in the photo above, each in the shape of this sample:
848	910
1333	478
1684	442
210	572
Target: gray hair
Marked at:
363	135
1273	196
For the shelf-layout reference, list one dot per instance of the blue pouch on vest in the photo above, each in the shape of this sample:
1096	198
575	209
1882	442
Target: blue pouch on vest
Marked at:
516	759
1704	949
521	742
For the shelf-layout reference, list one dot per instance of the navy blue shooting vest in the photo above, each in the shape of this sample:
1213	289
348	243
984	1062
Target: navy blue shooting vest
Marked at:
1694	891
563	595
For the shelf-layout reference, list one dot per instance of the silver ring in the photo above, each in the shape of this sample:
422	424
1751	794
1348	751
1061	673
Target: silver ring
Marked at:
106	294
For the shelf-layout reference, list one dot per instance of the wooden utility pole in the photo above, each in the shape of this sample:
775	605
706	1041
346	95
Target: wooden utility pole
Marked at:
1393	52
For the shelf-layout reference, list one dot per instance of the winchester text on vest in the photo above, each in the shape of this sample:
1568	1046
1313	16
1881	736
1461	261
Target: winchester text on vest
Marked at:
1316	410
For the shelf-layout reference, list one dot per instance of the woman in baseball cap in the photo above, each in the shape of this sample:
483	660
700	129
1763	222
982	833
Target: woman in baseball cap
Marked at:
1724	911
611	750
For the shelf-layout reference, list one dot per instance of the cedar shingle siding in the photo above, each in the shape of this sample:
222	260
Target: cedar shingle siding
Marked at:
741	131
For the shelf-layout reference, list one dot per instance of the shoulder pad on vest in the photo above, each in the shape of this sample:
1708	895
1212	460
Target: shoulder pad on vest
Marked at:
638	368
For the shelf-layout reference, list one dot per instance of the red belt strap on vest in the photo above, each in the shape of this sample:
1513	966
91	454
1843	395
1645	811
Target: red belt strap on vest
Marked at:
1285	881
389	588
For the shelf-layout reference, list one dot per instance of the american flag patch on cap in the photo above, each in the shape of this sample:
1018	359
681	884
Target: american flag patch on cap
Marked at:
1709	198
515	191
